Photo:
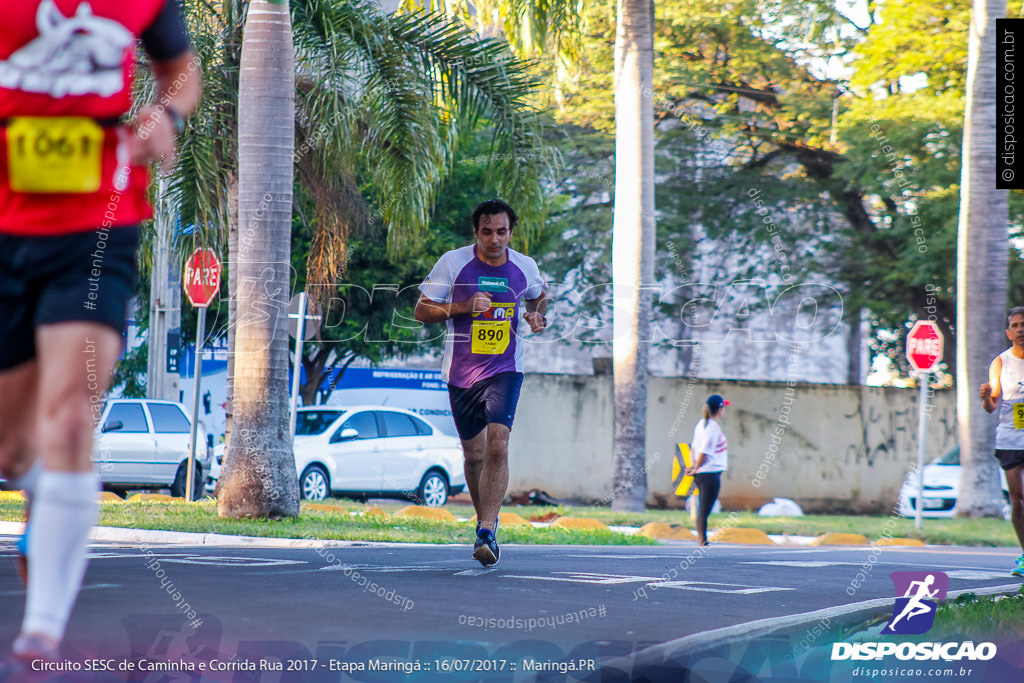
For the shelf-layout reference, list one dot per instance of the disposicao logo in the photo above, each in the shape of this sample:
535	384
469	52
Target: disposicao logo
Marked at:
917	597
914	612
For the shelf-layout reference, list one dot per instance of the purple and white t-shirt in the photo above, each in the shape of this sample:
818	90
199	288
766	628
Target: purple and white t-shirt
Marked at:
481	345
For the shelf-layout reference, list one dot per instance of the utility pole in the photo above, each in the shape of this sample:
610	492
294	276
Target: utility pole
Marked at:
163	374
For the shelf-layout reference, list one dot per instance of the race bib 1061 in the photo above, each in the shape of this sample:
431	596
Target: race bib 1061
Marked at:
54	154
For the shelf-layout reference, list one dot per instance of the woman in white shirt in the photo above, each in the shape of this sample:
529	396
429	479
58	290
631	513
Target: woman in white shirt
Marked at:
711	458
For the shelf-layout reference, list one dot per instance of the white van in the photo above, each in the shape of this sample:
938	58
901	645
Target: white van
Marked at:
144	444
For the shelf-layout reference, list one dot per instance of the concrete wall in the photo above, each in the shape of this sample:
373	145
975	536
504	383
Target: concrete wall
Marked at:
831	448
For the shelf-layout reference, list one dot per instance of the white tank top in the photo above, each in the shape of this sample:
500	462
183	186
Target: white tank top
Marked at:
1010	432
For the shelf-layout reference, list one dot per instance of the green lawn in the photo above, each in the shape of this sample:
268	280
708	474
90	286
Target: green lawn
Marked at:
969	617
202	517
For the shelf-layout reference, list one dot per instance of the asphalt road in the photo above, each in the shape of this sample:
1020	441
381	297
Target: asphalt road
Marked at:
326	613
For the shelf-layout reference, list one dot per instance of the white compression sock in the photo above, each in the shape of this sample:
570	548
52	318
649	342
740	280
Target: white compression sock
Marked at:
62	515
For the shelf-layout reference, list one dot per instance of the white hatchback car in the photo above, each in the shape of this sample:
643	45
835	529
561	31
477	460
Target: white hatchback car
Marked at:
144	444
374	451
941	488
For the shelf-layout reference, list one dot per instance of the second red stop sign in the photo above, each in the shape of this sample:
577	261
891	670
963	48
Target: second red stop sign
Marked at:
924	346
201	277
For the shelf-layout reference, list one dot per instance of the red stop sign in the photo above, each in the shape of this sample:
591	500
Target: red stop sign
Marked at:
924	345
201	278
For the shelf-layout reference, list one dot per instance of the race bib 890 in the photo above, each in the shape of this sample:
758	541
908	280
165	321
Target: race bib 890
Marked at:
490	336
54	154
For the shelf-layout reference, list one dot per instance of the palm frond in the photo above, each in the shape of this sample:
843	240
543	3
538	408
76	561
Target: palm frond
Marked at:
396	94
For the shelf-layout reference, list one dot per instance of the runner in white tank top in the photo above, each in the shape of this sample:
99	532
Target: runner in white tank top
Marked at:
1005	389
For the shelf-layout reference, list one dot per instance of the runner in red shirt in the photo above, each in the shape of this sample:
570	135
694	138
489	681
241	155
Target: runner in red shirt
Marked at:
73	185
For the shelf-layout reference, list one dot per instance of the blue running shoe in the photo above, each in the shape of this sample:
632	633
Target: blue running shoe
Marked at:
21	559
1019	569
496	523
485	550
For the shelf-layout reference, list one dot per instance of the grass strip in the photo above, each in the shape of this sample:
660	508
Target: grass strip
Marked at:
350	524
970	616
201	517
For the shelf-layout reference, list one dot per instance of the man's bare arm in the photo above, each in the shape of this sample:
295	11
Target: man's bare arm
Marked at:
429	312
535	309
178	88
991	390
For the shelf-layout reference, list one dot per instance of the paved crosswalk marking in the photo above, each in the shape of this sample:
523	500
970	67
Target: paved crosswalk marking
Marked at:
709	587
588	577
189	558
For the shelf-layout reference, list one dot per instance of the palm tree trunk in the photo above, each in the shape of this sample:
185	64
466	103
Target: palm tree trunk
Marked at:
982	246
632	246
259	468
229	409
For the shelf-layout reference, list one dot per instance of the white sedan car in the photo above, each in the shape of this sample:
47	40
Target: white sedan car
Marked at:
941	487
374	451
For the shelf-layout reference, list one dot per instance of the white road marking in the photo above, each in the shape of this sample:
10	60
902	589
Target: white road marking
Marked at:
968	574
476	572
587	577
707	587
625	557
798	563
976	575
88	586
334	567
188	558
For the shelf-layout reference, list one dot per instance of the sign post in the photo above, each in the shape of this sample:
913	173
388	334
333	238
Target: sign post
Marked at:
201	280
924	351
301	331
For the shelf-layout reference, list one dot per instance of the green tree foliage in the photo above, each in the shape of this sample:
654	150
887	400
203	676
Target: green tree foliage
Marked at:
368	314
848	133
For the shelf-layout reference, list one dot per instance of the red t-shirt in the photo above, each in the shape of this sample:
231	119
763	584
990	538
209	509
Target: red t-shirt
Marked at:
73	58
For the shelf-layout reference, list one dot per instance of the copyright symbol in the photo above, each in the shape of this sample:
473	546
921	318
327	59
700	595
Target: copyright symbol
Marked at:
1007	174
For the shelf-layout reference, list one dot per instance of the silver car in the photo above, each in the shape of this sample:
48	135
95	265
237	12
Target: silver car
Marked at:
374	451
144	444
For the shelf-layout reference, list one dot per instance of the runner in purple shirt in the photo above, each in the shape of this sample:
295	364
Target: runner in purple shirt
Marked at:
479	291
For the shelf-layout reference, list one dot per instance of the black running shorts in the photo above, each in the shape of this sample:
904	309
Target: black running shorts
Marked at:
80	277
1008	459
489	401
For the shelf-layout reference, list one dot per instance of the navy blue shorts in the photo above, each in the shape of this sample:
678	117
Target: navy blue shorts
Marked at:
489	401
84	276
1008	459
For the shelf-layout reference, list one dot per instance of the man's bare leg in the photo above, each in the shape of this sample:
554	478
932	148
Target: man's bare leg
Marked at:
473	465
75	360
493	484
1015	484
17	417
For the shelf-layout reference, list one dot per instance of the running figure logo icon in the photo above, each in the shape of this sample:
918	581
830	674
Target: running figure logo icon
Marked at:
914	612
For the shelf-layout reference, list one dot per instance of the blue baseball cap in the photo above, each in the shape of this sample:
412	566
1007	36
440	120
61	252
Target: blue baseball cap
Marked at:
715	402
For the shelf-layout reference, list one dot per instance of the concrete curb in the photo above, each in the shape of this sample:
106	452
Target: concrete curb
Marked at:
151	536
580	523
740	535
836	538
692	644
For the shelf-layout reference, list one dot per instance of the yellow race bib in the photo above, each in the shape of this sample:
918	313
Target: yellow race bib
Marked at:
54	154
490	336
1018	415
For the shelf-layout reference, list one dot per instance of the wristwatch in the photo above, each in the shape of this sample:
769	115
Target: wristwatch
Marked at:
177	119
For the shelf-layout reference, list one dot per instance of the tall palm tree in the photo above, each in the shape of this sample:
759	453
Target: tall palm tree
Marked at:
261	480
555	25
380	100
982	249
632	246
